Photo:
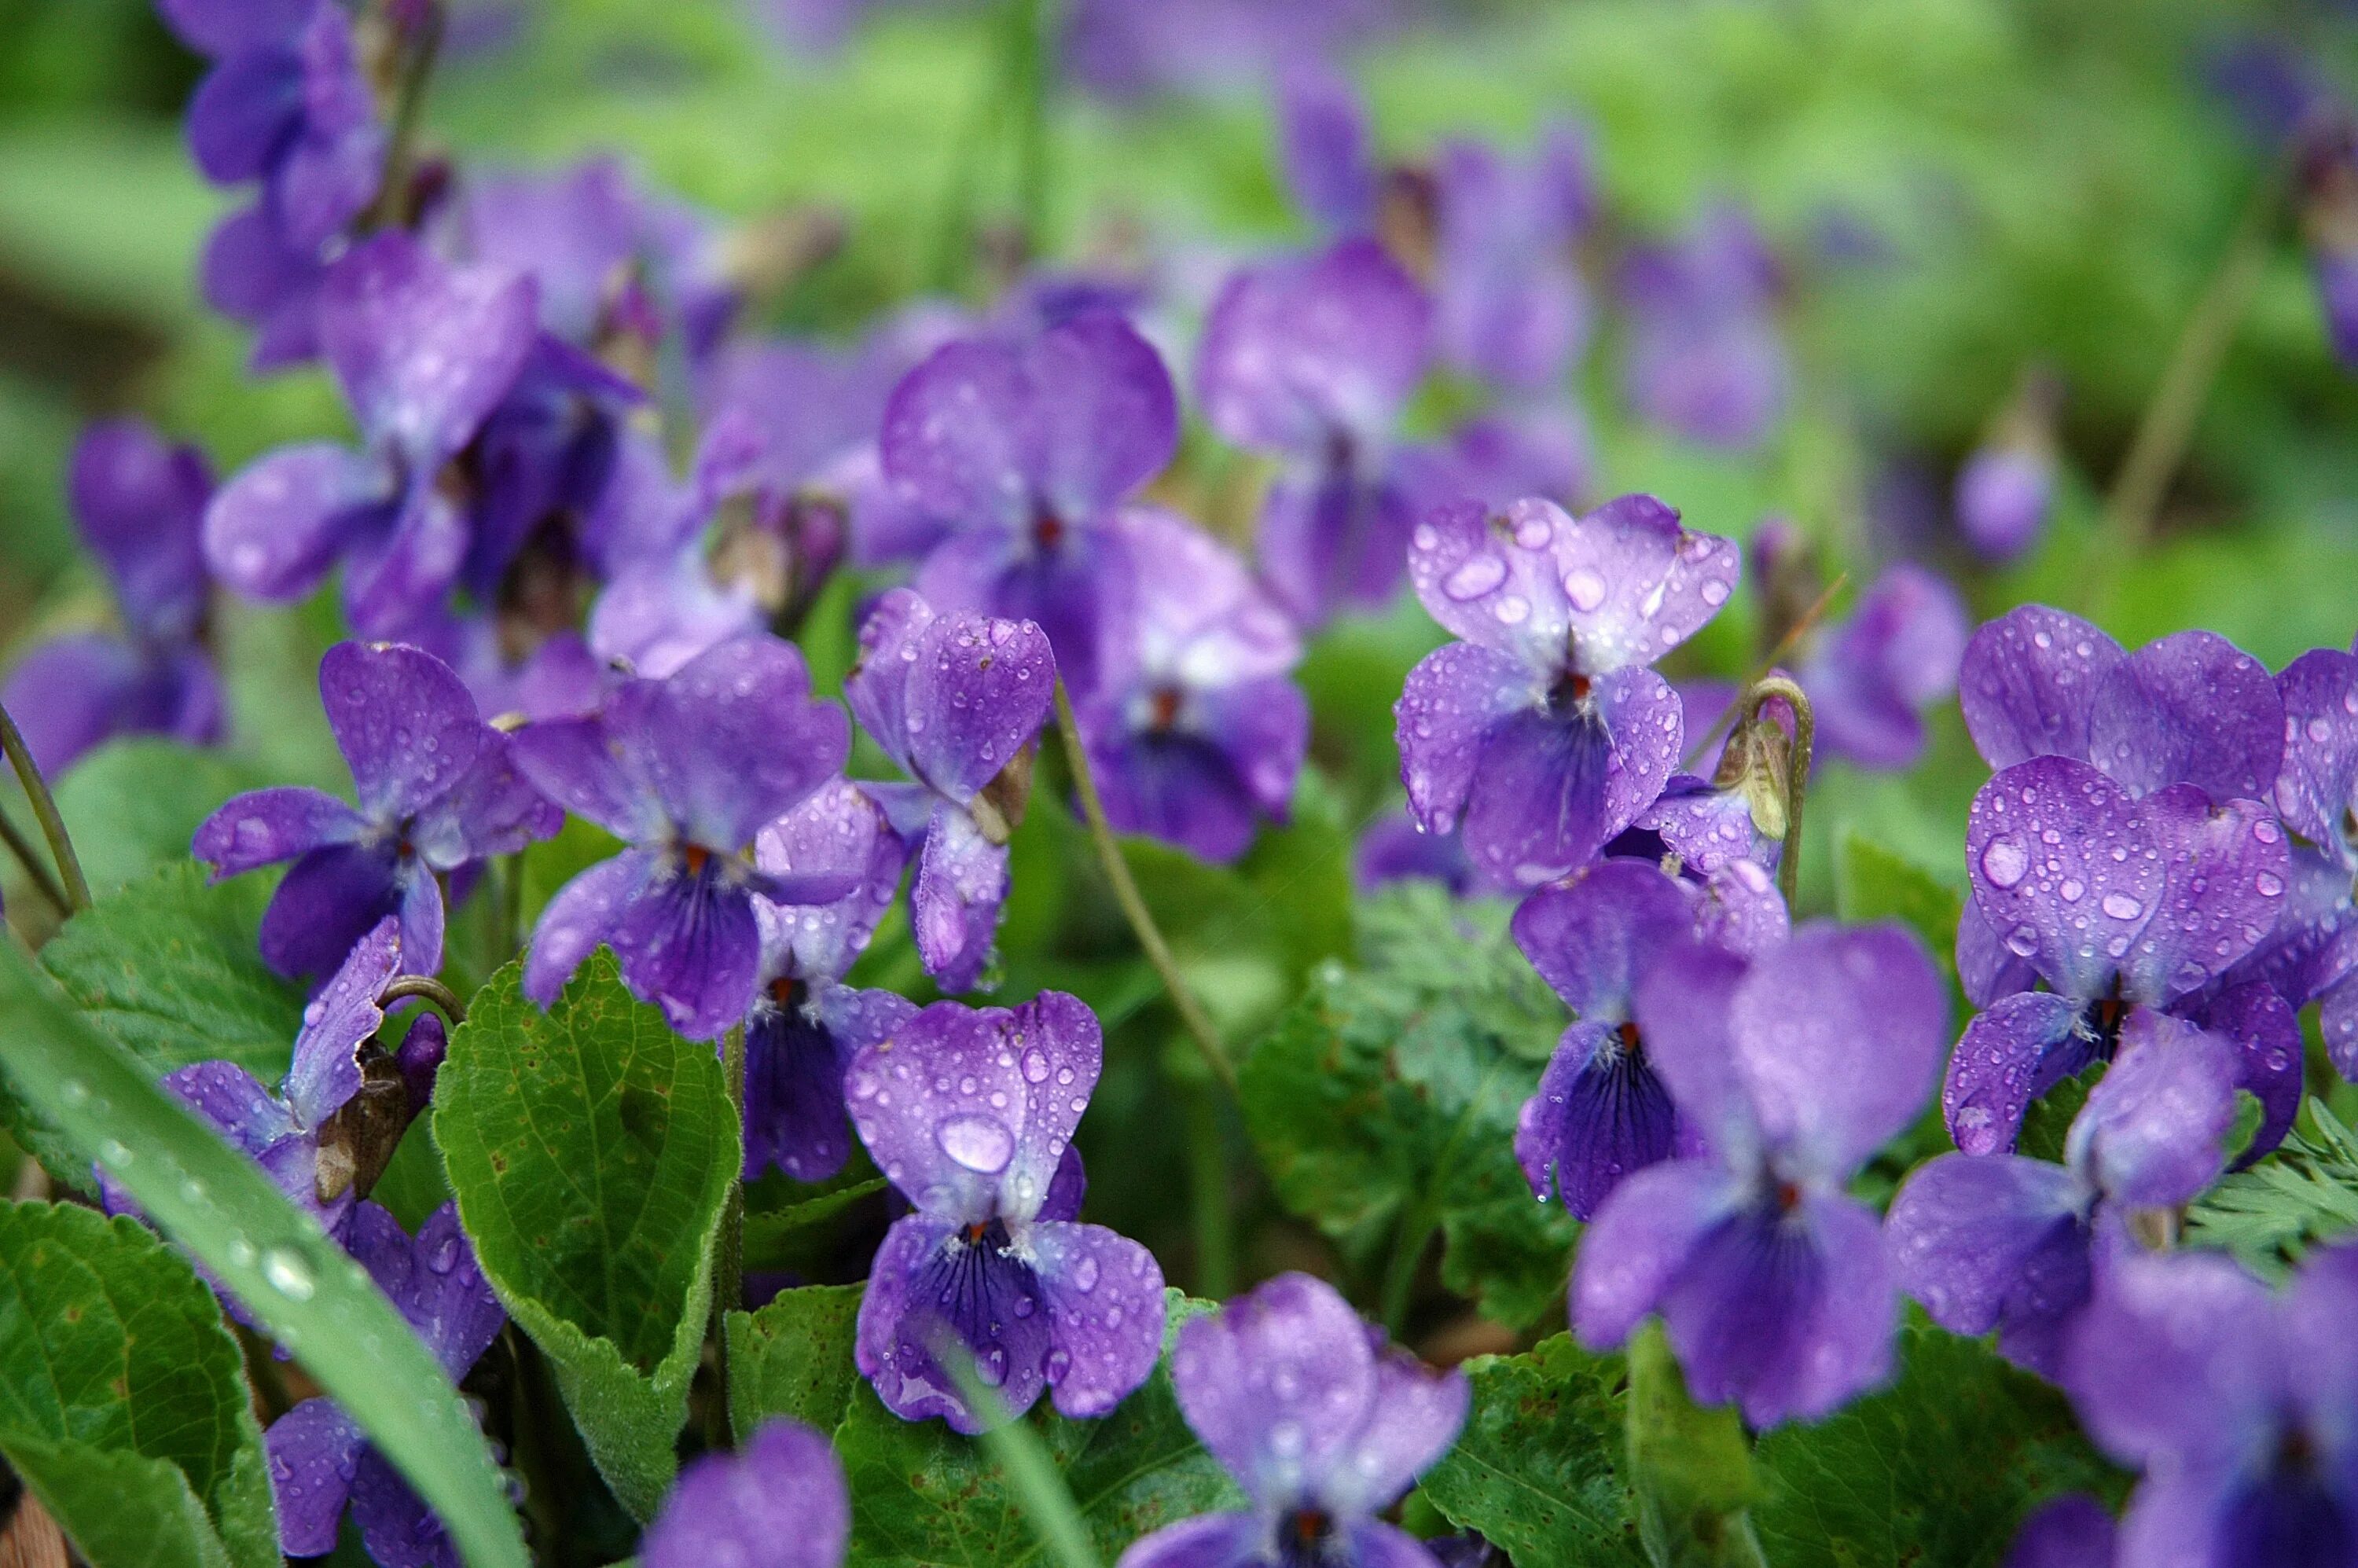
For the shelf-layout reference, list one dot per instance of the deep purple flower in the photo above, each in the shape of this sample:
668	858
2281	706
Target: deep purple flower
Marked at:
1704	356
2003	1242
287	103
283	1130
2116	904
1125	47
1324	139
579	232
1602	1112
437	789
1320	1422
778	1502
2004	495
2072	1531
953	699
423	352
2314	957
805	1024
970	1113
1870	679
1511	308
1396	847
321	1463
1031	448
2235	1401
1539	447
1545	727
1312	359
2187	708
2328	214
1793	1068
139	504
686	770
1195	732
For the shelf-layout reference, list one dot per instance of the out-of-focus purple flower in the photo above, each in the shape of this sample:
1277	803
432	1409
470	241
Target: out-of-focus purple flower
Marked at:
1324	135
1511	308
139	504
437	788
1312	359
1321	1423
1704	357
970	1113
1870	679
687	770
805	1025
955	699
423	352
1793	1068
287	103
778	1502
251	273
1545	727
2235	1401
2004	495
1127	48
1602	1112
282	1131
1502	456
321	1463
1396	847
2006	1243
1031	448
2117	904
2328	211
2072	1531
1195	731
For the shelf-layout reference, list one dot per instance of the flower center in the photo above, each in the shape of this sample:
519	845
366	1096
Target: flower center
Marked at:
1305	1535
1048	528
1164	709
1569	697
789	993
694	856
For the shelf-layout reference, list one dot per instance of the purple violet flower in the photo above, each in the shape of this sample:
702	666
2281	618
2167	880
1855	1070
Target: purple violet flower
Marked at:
2004	492
2314	956
1871	679
1324	139
778	1502
1031	448
1396	847
321	1463
1544	727
423	352
970	1113
287	103
1511	308
2000	1241
1195	730
2072	1531
2234	1401
1793	1068
1320	1422
954	700
1704	357
2328	218
686	770
1312	359
139	504
1540	448
437	790
1601	1112
282	1131
2116	904
807	1024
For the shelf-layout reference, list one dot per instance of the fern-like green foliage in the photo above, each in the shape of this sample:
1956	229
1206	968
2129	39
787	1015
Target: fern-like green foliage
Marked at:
2304	1194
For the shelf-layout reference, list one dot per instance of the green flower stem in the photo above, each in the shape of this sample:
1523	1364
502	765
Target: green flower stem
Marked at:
1797	784
45	810
1418	1222
1207	1176
36	869
439	996
1125	892
728	1245
1040	1488
1031	81
409	103
1783	650
2167	423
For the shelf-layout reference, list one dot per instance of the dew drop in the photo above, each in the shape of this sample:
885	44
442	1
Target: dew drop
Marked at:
980	1144
2121	906
1475	576
288	1274
2004	863
1584	588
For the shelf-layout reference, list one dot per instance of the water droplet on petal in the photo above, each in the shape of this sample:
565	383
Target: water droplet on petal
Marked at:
980	1144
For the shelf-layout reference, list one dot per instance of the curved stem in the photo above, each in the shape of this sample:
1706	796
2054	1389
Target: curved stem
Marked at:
1784	690
409	99
439	996
37	871
45	811
1125	892
1760	672
2169	418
